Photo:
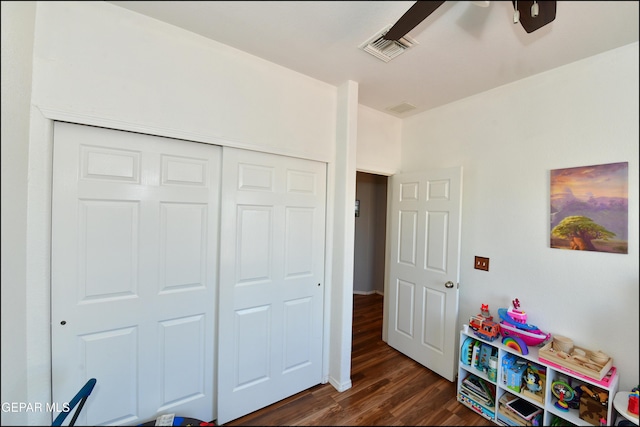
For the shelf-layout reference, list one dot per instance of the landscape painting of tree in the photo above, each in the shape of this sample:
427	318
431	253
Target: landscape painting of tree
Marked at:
589	208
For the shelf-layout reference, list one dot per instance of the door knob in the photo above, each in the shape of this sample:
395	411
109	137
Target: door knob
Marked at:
449	284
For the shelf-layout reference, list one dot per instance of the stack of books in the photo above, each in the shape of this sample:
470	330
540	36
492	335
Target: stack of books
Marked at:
478	390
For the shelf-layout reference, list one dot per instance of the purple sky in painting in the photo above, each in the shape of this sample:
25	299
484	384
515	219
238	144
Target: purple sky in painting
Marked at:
584	182
598	192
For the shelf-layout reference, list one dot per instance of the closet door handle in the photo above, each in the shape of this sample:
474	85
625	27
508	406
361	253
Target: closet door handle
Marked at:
449	284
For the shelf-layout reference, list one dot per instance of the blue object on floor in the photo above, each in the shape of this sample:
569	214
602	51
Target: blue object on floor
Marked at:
81	398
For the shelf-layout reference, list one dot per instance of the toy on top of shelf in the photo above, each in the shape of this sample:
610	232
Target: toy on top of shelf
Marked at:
514	323
484	312
484	328
515	313
506	319
517	344
529	337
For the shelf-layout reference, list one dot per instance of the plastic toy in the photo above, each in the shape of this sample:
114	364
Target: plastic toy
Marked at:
528	337
515	313
484	312
632	404
466	351
484	328
564	393
514	323
532	381
517	344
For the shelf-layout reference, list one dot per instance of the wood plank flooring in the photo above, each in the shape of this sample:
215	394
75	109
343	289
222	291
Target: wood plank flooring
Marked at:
388	388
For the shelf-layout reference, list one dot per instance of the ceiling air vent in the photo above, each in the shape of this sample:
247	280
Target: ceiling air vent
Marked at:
402	108
384	49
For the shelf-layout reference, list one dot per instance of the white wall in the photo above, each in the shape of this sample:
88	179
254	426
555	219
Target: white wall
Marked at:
98	60
507	141
17	47
95	63
379	142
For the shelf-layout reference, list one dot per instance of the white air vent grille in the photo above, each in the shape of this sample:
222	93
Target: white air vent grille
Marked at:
384	49
402	108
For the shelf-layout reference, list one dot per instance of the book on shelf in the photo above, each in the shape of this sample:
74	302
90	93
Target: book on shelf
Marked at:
475	358
487	412
488	388
483	400
478	386
483	357
473	383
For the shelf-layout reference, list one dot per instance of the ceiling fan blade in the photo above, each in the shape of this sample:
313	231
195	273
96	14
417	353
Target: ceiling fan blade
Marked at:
412	17
546	14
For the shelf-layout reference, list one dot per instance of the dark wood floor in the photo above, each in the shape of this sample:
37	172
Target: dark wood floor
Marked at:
388	388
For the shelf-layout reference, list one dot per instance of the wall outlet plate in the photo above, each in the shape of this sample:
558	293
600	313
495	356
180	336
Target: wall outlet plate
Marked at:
481	263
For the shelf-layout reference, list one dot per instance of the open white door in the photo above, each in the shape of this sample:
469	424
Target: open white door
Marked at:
134	270
424	221
271	279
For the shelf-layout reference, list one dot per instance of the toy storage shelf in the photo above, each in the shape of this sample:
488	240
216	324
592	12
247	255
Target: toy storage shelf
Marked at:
495	413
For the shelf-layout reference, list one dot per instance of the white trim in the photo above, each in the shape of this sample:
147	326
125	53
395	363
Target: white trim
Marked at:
328	271
38	274
368	292
341	386
87	119
378	171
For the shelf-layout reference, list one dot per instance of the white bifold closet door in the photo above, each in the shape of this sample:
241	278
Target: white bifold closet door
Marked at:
134	273
271	279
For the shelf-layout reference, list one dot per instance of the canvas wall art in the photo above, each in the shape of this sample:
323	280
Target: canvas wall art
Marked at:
589	208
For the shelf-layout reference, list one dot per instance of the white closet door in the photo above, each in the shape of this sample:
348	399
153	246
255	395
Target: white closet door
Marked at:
271	279
134	262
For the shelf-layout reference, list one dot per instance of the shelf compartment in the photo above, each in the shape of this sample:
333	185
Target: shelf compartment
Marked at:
476	407
509	417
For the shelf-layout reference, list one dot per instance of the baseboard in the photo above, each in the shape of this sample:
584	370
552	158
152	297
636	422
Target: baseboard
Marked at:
367	292
340	387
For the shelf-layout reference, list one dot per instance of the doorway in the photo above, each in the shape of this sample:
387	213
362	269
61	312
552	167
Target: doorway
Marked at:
370	234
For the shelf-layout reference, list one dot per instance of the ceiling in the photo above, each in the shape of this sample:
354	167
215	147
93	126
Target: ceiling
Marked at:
463	49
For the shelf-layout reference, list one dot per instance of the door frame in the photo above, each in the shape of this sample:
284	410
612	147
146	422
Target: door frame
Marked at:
38	385
387	252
